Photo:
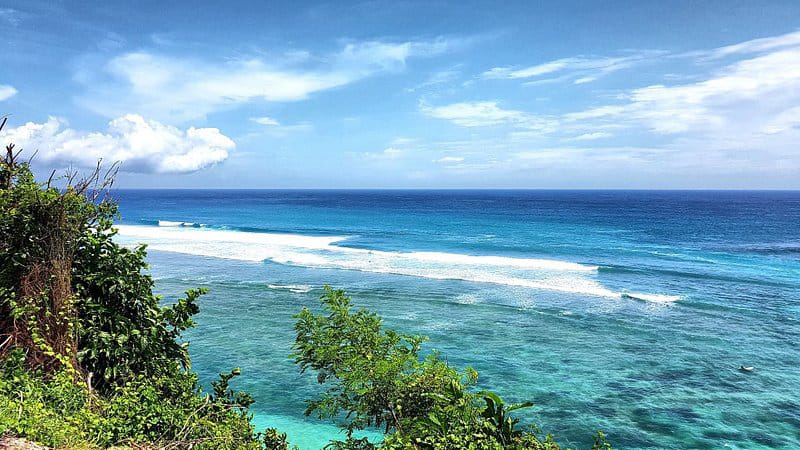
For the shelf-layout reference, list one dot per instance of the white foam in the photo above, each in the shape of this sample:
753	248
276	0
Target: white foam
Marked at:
296	288
320	252
222	243
167	223
655	298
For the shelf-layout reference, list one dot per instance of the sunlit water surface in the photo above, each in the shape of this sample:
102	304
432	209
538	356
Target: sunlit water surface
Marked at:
621	311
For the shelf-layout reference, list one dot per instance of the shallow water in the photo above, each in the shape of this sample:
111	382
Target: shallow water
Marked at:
622	311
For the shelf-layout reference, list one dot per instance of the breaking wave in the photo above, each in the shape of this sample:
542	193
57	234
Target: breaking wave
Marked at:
321	252
296	288
167	223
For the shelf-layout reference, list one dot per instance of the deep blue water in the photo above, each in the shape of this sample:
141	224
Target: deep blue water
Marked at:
626	311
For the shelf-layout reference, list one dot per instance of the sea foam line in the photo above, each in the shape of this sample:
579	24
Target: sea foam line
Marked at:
296	288
168	223
320	252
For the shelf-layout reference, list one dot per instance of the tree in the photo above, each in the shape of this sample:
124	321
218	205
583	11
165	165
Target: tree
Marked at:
88	355
41	227
376	377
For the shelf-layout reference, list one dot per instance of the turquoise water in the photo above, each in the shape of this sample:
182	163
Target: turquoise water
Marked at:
622	311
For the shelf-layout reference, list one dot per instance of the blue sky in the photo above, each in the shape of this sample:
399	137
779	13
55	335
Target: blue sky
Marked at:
405	94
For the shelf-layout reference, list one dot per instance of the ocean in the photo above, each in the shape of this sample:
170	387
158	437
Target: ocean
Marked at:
623	311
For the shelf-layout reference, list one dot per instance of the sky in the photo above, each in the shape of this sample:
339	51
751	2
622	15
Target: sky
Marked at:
406	94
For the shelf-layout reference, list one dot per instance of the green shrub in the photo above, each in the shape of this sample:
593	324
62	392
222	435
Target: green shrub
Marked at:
374	376
88	356
163	411
56	412
124	331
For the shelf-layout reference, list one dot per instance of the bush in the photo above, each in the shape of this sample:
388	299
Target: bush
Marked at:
88	356
169	411
54	413
376	377
124	331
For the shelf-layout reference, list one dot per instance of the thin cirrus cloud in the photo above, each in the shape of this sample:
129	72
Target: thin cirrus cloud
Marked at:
578	69
474	114
449	160
139	145
267	121
755	95
745	95
175	89
592	136
7	92
487	114
388	154
741	117
757	45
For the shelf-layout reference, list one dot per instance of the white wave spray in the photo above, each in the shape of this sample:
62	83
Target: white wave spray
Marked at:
321	252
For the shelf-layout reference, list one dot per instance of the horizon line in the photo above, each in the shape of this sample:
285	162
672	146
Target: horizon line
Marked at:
458	189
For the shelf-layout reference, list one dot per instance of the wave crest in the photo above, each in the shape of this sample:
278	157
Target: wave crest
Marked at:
320	252
168	223
295	288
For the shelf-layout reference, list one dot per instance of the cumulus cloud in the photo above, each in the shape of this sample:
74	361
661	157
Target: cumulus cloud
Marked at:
180	89
7	92
139	145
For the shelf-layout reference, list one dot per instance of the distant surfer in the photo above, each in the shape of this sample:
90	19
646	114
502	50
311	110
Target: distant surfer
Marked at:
745	369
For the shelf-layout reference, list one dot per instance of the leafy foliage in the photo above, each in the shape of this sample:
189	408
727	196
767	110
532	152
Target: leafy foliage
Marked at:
169	411
124	329
39	231
374	376
88	356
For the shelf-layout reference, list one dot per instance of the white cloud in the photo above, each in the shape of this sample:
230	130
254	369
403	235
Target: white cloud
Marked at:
534	71
435	79
584	80
592	136
180	89
739	122
375	56
785	121
474	114
735	126
487	113
580	69
139	145
449	160
402	141
738	96
388	154
268	121
6	92
594	113
758	45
